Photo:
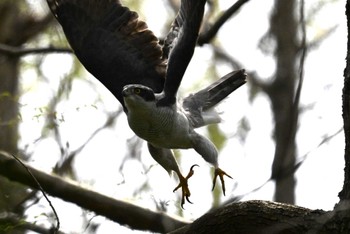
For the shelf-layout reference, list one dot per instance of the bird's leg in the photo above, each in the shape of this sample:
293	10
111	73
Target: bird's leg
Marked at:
166	159
221	174
209	152
184	185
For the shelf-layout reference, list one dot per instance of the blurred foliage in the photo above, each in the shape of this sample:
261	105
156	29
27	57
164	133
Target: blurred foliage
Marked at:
217	136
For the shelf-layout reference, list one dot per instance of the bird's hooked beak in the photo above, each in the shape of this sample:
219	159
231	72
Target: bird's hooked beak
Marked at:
126	91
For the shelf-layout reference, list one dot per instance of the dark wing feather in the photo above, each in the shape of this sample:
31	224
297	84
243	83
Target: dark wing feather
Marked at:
112	43
209	97
181	42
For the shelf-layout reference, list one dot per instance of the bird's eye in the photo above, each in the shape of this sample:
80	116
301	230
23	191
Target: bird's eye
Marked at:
137	91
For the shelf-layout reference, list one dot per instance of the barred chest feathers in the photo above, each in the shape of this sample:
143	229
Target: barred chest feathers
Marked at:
165	127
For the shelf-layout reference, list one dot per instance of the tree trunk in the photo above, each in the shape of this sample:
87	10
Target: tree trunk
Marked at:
11	194
345	193
15	29
281	93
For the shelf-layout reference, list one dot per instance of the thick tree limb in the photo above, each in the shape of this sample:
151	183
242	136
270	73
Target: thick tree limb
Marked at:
345	193
264	217
118	211
244	217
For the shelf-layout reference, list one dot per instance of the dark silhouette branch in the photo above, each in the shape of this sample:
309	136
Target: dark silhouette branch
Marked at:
41	189
288	171
301	62
261	217
121	212
243	217
345	193
18	51
207	36
12	221
221	54
66	166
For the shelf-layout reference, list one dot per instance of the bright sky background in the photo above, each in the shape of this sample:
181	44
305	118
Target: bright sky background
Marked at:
319	179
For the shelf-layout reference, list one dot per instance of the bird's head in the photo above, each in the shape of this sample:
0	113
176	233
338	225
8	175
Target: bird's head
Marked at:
136	94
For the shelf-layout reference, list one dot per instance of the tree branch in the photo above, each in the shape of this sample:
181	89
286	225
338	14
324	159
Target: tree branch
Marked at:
13	222
57	227
259	217
345	193
122	212
210	34
18	51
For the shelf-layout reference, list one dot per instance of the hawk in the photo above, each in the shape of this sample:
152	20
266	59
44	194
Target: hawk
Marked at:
117	48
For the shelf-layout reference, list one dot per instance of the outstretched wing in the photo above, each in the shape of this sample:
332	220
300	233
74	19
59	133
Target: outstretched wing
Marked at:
112	43
198	105
181	42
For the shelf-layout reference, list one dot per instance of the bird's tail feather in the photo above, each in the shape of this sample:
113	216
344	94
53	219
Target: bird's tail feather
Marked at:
223	87
199	107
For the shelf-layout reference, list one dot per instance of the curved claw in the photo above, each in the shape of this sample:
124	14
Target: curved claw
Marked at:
221	174
184	186
191	172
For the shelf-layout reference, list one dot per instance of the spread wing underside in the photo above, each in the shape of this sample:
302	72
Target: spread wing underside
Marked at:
112	43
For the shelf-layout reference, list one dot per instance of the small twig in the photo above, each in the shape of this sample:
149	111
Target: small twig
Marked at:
66	165
288	171
18	51
303	55
316	42
221	54
18	223
323	141
39	186
210	34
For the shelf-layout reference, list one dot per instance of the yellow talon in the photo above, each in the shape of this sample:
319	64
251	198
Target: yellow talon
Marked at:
221	174
184	186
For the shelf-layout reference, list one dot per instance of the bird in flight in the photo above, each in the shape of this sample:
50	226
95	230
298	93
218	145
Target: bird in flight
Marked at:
117	48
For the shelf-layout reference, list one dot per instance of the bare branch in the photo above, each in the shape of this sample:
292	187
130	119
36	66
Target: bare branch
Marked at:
39	187
302	58
221	54
12	220
210	34
315	43
18	51
66	165
122	212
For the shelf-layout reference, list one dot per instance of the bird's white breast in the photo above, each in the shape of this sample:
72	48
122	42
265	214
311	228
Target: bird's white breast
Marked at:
164	127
